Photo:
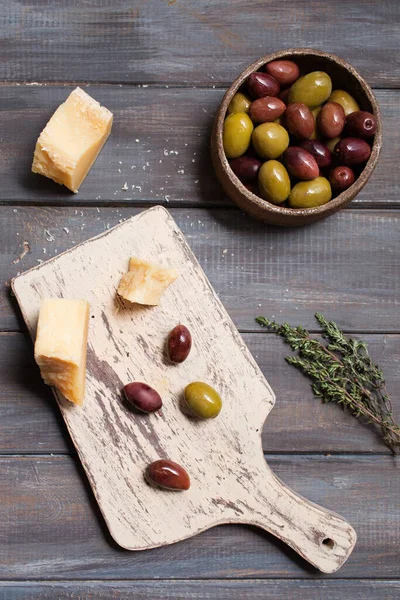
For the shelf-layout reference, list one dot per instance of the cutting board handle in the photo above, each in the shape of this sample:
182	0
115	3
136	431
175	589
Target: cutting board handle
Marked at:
322	537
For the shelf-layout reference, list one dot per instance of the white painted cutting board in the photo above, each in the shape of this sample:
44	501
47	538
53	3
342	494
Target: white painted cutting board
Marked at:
231	482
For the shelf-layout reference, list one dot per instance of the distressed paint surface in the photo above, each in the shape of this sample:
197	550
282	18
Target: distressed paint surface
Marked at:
231	483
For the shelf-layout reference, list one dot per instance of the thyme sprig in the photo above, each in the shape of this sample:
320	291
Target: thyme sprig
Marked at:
342	372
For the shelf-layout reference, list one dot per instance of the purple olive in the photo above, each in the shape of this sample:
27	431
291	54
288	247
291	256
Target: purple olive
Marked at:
352	151
168	475
252	188
299	120
322	154
341	178
262	84
246	167
179	343
300	163
331	119
361	123
284	71
142	397
284	95
266	109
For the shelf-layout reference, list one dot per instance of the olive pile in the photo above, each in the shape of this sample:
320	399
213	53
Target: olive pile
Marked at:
200	398
292	139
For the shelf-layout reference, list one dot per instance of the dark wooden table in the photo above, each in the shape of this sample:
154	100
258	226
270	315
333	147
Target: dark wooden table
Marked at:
162	67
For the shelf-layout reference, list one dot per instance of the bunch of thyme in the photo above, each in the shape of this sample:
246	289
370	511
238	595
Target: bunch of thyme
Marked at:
343	372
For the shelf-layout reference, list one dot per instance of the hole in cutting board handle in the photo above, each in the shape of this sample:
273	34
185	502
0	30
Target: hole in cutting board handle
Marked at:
328	543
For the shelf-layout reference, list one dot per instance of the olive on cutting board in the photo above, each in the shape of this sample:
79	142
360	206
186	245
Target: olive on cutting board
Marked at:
142	397
179	343
168	475
203	401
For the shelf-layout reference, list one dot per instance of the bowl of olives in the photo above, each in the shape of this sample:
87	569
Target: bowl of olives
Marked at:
296	137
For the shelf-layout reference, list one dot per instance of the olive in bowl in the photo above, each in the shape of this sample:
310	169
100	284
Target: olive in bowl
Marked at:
322	104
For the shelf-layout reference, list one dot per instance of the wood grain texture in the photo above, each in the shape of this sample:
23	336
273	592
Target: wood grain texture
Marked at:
202	590
159	146
50	527
188	42
126	343
30	421
345	266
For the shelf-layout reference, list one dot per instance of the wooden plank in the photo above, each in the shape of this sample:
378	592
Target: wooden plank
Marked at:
47	508
127	343
188	42
159	147
30	420
345	266
202	590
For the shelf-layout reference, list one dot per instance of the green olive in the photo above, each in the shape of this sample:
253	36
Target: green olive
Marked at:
239	103
315	134
307	194
270	140
344	99
203	400
332	143
237	134
311	89
273	182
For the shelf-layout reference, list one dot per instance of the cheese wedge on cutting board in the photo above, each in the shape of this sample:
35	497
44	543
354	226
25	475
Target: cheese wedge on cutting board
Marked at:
145	282
61	344
72	139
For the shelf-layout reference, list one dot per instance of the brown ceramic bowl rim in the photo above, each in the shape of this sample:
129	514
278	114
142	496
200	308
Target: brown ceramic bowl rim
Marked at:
340	200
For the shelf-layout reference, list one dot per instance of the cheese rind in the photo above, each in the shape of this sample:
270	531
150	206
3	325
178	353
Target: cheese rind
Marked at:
61	345
72	139
145	282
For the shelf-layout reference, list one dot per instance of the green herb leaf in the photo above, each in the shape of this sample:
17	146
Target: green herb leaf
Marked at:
343	372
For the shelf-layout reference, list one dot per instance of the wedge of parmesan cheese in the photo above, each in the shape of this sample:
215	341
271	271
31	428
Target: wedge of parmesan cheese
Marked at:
61	344
72	139
145	282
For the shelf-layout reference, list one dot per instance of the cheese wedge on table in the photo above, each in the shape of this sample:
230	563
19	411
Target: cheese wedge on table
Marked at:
61	344
145	282
72	139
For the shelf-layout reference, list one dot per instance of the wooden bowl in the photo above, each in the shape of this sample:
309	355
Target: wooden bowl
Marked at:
344	76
